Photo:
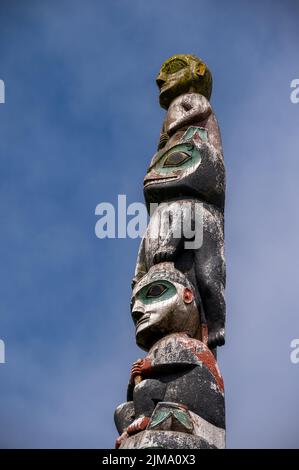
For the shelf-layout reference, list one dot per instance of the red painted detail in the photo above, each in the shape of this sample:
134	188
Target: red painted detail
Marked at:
147	367
140	370
208	360
120	439
202	353
188	295
138	425
204	333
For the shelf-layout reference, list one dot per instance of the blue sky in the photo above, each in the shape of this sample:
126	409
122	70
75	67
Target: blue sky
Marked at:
79	126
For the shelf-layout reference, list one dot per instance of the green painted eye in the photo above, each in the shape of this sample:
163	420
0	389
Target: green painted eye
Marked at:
176	159
182	155
176	65
156	291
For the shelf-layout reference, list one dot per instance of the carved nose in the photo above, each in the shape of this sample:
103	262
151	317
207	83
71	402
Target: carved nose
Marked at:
137	315
160	81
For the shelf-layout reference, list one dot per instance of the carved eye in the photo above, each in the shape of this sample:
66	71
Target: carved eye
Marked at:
176	65
156	290
176	159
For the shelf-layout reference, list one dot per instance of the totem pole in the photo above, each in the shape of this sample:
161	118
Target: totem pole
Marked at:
175	395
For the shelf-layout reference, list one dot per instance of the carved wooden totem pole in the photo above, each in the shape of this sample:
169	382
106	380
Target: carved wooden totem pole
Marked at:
175	394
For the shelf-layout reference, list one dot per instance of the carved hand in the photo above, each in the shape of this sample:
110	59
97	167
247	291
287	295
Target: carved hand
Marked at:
140	370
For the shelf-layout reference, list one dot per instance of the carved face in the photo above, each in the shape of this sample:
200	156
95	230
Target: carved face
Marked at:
180	74
190	169
179	161
162	307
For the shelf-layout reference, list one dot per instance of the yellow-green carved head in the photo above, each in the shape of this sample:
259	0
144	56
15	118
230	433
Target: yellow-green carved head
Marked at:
183	73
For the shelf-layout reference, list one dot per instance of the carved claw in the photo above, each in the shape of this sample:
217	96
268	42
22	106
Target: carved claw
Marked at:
164	137
162	256
216	338
138	425
121	439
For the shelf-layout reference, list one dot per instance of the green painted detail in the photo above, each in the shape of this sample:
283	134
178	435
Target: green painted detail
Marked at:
160	416
190	155
164	413
193	157
167	293
183	418
176	159
192	130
